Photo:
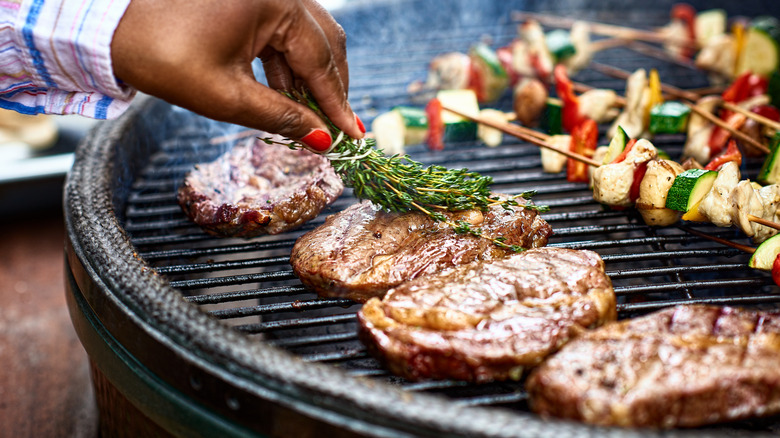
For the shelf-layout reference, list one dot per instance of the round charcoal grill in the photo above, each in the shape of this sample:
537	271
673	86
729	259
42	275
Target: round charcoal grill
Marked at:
191	335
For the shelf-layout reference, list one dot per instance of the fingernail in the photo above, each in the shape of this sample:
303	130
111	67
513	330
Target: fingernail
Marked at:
360	124
318	140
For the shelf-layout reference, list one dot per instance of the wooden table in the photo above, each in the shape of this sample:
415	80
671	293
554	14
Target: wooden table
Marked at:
45	389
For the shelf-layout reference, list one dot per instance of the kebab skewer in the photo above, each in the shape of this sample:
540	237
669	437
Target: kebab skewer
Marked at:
631	174
751	46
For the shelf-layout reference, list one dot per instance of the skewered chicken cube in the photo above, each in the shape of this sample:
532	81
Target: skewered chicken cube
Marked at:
599	105
718	56
580	37
632	118
716	205
745	201
700	130
612	182
653	191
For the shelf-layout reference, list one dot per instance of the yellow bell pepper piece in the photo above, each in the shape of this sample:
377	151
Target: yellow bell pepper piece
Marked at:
656	95
693	214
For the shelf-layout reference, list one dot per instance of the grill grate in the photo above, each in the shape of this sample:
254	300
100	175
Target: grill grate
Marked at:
249	285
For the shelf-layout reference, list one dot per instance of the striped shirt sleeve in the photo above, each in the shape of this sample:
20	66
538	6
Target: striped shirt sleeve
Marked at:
55	57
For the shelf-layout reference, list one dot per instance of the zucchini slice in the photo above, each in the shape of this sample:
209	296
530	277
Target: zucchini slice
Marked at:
552	118
710	23
768	24
415	123
399	127
759	54
457	128
765	254
559	44
669	118
689	188
490	78
774	89
770	171
616	145
389	130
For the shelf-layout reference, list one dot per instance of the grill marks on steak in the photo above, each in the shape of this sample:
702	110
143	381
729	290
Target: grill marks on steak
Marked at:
680	367
488	320
257	188
362	251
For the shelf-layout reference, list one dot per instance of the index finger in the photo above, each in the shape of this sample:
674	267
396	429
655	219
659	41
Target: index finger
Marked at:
310	57
336	36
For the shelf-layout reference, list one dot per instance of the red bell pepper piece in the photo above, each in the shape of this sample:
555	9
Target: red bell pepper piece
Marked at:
720	136
505	58
476	82
687	14
732	154
767	111
622	157
776	270
571	104
745	86
435	136
639	174
584	138
542	73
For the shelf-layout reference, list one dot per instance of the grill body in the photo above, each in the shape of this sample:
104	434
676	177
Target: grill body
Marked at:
206	336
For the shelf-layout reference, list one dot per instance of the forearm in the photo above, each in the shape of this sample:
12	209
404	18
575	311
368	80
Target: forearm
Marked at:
55	57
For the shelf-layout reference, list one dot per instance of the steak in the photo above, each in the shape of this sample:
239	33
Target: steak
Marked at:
362	252
679	367
488	320
257	188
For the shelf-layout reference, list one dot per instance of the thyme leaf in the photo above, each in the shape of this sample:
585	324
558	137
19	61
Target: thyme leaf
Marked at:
398	183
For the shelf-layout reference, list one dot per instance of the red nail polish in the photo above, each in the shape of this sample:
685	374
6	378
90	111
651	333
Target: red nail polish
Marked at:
318	140
360	124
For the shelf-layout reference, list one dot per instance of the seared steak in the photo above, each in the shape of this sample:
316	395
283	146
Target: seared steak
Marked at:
362	252
257	189
679	367
488	320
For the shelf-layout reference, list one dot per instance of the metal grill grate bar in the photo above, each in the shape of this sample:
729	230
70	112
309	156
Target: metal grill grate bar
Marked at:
295	306
297	323
498	399
232	280
216	250
242	295
650	268
220	266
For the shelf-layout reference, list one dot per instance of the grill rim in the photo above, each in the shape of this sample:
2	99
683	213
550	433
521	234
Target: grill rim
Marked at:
148	317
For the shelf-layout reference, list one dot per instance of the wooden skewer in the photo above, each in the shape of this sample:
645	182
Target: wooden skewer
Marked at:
686	95
751	115
581	88
606	43
622	74
542	139
739	246
712	89
763	221
659	53
523	133
622	32
718	121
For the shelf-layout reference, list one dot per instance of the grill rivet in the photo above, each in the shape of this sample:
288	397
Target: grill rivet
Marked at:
196	383
232	402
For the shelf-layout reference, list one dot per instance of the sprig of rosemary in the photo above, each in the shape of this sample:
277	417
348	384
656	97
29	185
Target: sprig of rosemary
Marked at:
399	183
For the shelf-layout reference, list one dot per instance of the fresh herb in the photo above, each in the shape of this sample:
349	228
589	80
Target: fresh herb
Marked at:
399	184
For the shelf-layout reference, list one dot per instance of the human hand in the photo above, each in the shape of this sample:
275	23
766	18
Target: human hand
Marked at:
197	54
